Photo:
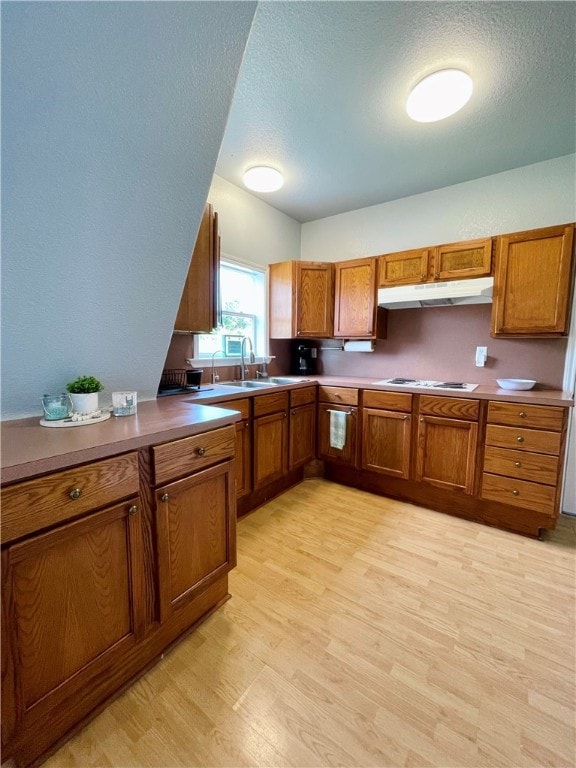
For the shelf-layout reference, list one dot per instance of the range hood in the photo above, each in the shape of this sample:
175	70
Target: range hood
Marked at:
455	293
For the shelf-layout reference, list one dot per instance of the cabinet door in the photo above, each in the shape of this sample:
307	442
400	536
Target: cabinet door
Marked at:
447	453
196	534
73	601
314	297
243	458
386	442
404	268
302	435
198	308
270	443
348	454
355	299
532	283
462	260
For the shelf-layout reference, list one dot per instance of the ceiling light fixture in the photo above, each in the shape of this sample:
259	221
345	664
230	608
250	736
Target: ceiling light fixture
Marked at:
262	178
439	95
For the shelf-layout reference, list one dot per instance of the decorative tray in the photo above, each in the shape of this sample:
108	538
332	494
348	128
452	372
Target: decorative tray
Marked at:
81	423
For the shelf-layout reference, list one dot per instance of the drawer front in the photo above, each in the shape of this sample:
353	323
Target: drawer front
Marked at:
237	405
519	493
449	407
272	403
339	395
302	396
389	401
524	439
28	507
182	457
523	415
537	467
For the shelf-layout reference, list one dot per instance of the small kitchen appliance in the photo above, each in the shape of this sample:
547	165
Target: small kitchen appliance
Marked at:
304	359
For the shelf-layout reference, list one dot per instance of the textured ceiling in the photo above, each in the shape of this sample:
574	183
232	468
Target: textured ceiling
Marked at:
322	89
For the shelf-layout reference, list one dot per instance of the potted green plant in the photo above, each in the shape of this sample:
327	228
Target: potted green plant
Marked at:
84	394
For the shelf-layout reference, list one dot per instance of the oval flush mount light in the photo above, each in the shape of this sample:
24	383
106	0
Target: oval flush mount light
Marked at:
439	95
262	178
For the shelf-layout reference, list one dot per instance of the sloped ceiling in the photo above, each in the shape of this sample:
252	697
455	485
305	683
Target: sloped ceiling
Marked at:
323	85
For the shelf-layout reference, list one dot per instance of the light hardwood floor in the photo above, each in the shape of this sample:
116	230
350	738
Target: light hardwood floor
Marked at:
363	632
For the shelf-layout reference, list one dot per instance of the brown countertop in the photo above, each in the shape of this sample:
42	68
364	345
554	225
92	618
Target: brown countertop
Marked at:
29	449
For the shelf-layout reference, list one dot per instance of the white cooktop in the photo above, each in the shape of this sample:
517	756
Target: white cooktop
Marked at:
457	386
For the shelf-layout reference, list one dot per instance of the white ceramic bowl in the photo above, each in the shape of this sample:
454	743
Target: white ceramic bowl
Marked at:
515	383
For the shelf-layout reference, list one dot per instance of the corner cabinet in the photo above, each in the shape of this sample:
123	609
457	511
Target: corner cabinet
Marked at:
356	312
532	283
199	310
301	300
338	399
270	438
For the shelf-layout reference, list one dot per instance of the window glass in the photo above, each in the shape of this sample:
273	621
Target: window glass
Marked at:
243	303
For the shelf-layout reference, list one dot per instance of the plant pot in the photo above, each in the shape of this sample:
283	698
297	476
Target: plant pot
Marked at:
87	402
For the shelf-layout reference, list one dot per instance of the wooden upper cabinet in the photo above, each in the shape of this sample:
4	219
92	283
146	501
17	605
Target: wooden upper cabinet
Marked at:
453	261
472	258
532	282
356	314
404	268
301	300
199	310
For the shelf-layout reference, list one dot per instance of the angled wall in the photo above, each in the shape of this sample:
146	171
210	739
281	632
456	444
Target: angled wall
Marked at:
112	118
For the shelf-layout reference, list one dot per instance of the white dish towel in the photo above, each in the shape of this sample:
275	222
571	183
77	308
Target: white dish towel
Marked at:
337	429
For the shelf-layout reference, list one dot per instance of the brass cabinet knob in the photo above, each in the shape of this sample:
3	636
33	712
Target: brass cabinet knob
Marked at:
421	418
437	274
75	493
164	497
406	417
515	492
133	509
201	451
422	277
517	464
519	439
522	415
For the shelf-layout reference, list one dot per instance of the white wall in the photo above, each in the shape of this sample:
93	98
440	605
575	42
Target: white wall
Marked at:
534	196
250	229
112	118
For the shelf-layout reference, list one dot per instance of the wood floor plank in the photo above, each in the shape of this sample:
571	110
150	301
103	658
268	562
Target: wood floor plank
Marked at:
363	632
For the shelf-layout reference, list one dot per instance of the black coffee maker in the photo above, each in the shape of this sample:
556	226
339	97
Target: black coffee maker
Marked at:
304	359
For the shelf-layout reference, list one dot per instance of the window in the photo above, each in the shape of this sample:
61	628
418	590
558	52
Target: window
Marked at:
243	302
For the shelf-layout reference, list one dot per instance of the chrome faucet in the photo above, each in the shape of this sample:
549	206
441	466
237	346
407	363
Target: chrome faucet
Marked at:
251	358
215	376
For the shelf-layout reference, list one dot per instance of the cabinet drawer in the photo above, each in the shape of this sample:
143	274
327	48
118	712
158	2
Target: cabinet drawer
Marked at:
302	396
237	405
537	467
36	504
449	407
182	457
273	403
524	439
390	401
522	415
520	493
340	395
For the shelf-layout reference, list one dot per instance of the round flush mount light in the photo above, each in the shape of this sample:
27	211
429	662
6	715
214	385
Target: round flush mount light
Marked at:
262	178
439	95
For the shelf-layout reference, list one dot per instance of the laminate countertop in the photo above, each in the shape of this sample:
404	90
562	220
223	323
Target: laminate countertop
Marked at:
29	450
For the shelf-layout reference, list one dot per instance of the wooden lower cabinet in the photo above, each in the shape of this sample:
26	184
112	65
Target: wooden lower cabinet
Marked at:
73	606
243	452
302	439
387	433
446	452
196	534
348	453
99	590
270	438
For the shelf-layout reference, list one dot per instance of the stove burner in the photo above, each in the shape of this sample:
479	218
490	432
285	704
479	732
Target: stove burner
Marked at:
402	381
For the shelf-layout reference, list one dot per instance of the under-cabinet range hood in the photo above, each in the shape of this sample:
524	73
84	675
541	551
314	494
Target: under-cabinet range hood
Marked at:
455	293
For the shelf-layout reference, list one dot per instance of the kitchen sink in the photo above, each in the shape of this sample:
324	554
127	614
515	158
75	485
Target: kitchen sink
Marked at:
286	380
251	384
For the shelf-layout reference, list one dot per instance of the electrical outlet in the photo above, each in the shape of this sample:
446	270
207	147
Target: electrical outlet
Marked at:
481	356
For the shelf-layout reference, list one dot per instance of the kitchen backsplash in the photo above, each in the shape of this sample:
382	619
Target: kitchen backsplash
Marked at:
440	343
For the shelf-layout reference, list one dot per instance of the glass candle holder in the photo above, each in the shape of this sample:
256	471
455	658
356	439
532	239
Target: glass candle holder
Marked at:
124	403
56	406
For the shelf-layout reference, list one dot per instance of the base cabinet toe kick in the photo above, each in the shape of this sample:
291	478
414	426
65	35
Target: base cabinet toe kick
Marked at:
105	566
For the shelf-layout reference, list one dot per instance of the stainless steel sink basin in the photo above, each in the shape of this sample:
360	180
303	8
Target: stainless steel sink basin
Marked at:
286	380
249	384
